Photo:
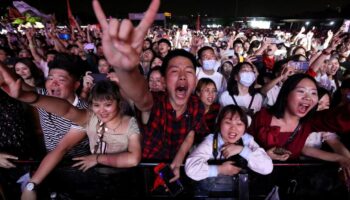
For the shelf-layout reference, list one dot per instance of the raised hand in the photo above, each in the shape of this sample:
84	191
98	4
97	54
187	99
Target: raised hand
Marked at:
121	41
330	34
88	81
8	82
309	35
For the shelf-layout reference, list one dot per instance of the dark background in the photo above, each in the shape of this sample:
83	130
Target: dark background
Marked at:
215	8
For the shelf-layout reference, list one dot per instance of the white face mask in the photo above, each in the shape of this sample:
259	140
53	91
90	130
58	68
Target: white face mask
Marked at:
209	64
247	78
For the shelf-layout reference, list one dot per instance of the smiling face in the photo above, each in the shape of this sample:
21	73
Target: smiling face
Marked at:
61	84
333	66
156	82
105	110
232	128
207	94
23	71
302	98
180	80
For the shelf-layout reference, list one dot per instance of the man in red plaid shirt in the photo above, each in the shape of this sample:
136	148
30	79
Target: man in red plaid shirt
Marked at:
171	119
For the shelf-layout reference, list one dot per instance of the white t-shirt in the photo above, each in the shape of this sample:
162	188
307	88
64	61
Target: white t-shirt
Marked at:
326	83
272	95
243	101
316	139
218	78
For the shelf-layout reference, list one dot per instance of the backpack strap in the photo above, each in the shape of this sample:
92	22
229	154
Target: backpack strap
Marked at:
251	102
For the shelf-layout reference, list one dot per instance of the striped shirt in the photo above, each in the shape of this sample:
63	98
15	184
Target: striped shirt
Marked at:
55	128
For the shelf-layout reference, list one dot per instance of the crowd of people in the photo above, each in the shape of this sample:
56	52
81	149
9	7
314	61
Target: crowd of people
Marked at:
116	95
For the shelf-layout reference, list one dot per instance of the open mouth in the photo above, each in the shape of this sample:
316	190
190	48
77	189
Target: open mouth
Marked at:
181	91
303	108
55	92
232	136
210	100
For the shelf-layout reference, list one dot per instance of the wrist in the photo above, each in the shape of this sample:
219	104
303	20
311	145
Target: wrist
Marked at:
31	186
35	99
97	156
326	52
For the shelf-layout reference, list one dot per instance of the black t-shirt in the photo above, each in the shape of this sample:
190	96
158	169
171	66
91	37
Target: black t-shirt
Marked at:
14	134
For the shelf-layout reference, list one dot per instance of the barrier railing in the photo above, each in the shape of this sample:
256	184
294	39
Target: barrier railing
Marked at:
106	183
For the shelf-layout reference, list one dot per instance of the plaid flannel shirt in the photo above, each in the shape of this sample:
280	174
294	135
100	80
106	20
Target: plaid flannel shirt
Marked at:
164	133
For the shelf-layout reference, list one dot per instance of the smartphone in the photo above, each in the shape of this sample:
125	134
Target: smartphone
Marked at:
99	77
175	188
301	66
259	58
347	26
280	151
272	40
64	36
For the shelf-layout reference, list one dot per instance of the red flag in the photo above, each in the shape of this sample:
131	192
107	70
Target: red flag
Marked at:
198	23
14	14
72	22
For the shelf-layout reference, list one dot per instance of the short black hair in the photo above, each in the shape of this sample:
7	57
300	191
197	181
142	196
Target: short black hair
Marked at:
175	53
237	41
154	69
108	90
288	86
323	91
201	50
166	41
69	63
232	109
204	82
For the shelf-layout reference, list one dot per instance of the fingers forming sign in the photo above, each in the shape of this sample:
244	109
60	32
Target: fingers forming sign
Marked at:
121	41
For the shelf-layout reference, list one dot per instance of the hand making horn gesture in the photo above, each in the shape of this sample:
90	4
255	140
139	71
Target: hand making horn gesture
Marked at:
121	41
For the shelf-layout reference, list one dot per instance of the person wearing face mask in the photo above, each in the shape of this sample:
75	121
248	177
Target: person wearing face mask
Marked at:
207	59
241	91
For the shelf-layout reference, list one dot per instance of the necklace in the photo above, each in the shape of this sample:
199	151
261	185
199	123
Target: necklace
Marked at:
114	129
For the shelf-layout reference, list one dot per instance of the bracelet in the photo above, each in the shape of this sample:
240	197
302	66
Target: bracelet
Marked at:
37	97
98	155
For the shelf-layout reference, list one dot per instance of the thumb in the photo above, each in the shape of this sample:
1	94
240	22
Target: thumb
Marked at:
11	157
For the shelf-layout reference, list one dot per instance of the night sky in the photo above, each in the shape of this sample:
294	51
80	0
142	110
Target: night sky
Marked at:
215	8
